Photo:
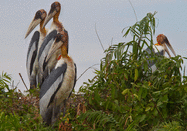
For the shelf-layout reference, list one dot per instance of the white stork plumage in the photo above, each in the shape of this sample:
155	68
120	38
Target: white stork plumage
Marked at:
160	48
58	85
34	46
46	67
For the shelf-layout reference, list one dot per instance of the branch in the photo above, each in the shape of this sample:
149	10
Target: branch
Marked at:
134	11
86	70
23	81
111	41
98	37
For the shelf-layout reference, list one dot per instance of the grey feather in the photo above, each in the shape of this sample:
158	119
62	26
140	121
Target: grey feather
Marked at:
44	49
31	58
49	81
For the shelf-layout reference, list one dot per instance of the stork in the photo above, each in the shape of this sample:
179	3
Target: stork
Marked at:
58	85
46	67
160	48
34	46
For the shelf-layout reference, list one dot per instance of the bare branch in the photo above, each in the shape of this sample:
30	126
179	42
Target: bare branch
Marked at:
134	11
23	81
86	70
99	38
111	41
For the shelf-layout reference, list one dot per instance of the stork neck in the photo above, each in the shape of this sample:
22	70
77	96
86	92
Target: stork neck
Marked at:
42	29
64	53
55	17
57	22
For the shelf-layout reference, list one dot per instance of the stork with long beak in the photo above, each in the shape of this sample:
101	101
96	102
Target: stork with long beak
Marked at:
54	13
57	87
46	67
34	46
160	48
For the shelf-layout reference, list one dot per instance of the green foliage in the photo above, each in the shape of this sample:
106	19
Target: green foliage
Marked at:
170	126
5	80
16	123
125	94
17	111
99	120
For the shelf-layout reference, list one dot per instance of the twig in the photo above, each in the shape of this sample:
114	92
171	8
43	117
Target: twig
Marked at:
23	81
12	85
16	85
98	37
134	11
86	70
111	41
157	108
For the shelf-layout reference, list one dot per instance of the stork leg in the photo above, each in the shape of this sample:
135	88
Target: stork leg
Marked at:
64	109
55	113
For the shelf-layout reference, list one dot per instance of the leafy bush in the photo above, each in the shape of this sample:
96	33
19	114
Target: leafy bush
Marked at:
125	94
18	111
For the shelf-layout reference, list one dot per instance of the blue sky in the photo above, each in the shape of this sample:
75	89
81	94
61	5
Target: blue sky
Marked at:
79	19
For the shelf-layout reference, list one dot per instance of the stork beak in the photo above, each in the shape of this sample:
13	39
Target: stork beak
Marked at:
55	46
170	47
32	25
166	49
50	15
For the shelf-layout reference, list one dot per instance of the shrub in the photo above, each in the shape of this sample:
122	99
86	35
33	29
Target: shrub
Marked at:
125	94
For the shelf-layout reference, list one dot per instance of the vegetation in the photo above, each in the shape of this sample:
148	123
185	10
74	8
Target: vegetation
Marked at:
123	95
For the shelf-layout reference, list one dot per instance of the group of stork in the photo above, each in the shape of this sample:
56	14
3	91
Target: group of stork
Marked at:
48	64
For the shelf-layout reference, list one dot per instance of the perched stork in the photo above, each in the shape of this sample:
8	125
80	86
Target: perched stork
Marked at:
160	48
57	87
34	46
54	13
46	67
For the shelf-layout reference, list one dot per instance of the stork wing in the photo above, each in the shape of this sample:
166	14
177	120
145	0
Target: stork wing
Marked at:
31	58
148	50
49	39
151	64
50	87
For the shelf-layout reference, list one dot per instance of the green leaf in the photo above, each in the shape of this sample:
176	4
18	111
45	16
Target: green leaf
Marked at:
159	103
136	75
147	108
143	117
126	91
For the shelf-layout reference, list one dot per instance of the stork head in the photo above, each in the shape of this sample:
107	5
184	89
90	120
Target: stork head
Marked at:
61	40
38	19
53	13
163	40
